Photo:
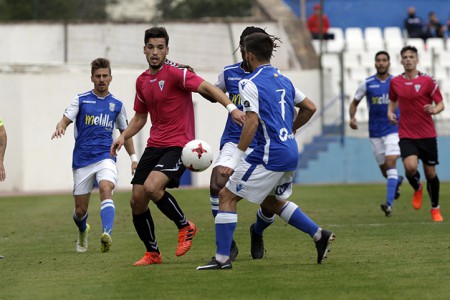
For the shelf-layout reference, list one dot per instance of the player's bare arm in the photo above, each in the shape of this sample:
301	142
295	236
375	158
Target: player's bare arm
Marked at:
434	109
247	135
209	90
391	112
307	110
136	124
352	111
129	146
61	127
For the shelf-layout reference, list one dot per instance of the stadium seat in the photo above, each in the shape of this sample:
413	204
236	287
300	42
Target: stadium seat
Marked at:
393	39
354	39
437	44
368	58
416	42
373	38
352	59
338	43
425	61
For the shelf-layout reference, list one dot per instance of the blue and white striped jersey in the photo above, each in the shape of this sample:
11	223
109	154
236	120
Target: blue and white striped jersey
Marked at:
272	96
94	121
377	96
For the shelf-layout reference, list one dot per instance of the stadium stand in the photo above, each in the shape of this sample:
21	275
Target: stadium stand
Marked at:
354	39
373	38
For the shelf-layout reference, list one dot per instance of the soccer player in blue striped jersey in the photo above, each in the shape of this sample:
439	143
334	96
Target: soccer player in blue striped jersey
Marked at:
265	175
95	113
383	135
228	81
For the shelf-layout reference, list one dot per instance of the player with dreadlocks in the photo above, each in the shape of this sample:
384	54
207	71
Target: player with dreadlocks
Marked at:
228	81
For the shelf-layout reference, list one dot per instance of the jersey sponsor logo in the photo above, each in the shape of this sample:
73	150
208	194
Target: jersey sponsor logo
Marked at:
417	87
89	101
102	120
239	187
236	99
112	106
284	135
161	85
280	189
384	99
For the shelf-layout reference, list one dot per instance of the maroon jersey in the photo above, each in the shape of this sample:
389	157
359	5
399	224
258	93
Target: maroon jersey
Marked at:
412	95
167	96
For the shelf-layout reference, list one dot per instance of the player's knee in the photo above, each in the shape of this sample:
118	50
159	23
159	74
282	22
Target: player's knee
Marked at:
80	211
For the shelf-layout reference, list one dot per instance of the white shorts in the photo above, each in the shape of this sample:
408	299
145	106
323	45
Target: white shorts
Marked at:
227	152
84	178
256	183
385	146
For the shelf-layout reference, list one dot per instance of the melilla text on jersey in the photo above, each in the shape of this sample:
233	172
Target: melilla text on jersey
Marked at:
102	120
384	99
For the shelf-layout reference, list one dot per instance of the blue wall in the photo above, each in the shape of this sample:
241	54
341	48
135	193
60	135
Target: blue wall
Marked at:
374	13
355	163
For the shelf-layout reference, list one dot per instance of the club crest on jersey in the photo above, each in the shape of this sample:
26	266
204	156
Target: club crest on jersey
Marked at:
161	85
112	106
417	87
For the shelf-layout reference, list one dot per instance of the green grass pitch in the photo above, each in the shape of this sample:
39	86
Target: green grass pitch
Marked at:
406	256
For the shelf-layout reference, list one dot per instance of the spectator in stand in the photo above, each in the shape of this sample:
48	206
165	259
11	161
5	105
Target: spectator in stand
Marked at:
414	24
317	27
434	27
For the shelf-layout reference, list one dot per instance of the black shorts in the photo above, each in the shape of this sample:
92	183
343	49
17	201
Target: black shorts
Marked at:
165	160
425	149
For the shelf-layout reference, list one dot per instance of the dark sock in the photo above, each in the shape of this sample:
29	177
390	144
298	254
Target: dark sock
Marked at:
146	230
169	206
433	186
414	181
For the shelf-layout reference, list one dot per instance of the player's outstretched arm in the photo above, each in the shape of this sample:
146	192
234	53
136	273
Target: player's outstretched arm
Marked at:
136	124
61	127
209	90
307	110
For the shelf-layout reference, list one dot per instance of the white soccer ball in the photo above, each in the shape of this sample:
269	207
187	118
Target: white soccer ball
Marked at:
197	155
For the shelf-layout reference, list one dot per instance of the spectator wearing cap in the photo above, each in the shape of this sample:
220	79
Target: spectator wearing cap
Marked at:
317	29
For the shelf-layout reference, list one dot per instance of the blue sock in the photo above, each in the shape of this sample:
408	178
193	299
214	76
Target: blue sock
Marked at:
80	222
262	222
225	225
107	212
214	200
293	215
391	185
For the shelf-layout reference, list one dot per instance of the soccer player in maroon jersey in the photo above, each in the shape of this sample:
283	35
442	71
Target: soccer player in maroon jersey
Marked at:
418	98
165	92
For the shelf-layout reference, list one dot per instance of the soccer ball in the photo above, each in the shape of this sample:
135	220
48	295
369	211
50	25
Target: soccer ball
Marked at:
197	155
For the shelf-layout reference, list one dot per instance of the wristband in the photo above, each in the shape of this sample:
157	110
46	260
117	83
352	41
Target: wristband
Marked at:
133	157
231	107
